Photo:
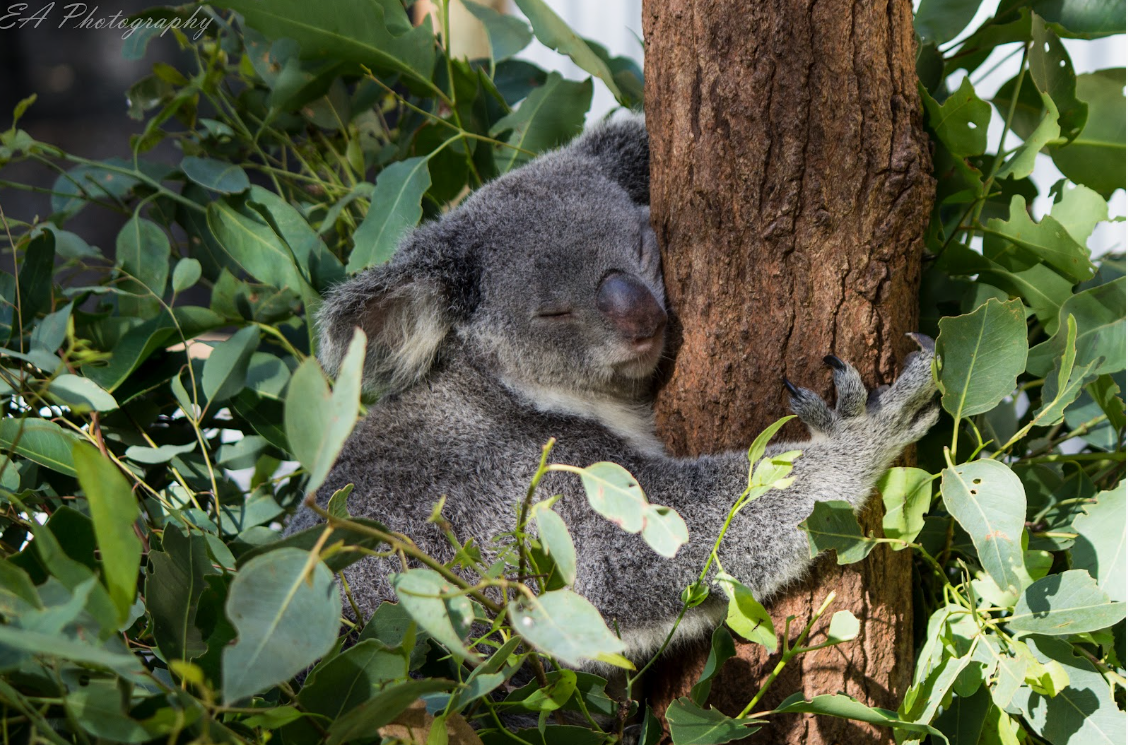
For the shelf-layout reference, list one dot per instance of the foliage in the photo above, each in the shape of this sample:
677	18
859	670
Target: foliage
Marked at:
164	412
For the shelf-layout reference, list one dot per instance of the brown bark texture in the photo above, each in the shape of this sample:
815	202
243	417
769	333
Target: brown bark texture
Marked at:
790	189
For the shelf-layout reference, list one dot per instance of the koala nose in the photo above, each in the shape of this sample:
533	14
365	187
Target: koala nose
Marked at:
630	306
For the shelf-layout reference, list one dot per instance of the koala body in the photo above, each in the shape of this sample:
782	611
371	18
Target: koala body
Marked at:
535	310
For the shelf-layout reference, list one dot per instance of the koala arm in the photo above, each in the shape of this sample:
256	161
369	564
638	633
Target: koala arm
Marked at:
852	445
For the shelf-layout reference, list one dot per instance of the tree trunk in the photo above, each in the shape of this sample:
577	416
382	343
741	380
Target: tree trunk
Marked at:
790	189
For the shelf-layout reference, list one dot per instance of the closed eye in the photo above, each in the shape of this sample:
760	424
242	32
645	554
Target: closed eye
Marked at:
555	314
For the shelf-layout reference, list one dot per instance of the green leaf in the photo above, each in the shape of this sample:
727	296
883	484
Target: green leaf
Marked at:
351	678
1079	209
615	494
664	530
553	696
1047	241
1083	19
989	502
564	625
436	605
251	244
846	707
906	494
143	252
318	422
553	533
186	274
1052	72
1064	385
114	511
692	725
554	33
1099	312
80	394
745	615
41	441
97	706
832	525
1083	712
338	505
1021	164
508	34
71	650
844	627
939	21
287	610
1064	604
73	189
721	649
173	586
314	262
1095	157
551	115
140	342
981	356
375	33
760	444
961	122
225	370
1099	548
364	720
396	208
1105	393
153	456
965	718
217	175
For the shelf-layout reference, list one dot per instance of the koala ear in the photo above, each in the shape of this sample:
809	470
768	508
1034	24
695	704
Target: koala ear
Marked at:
622	148
406	308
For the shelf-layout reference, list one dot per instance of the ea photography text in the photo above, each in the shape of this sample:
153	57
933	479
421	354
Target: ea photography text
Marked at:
94	18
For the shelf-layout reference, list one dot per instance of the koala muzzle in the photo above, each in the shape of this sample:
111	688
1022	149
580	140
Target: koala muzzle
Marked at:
631	307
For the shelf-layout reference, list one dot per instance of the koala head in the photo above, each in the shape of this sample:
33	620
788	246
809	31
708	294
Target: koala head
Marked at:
550	274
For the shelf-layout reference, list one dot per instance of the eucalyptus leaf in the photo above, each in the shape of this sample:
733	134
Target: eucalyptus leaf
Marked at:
1064	604
286	608
907	495
319	421
564	625
114	511
1099	548
438	607
396	208
557	543
989	502
80	394
692	725
554	33
216	175
745	615
832	525
721	649
225	371
961	121
981	356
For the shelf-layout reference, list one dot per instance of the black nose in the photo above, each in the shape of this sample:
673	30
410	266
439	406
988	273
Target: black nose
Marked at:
630	306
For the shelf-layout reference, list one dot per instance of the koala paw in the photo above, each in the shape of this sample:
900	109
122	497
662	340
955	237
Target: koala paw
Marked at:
890	417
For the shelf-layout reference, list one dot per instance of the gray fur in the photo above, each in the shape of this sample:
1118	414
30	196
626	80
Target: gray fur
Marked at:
475	383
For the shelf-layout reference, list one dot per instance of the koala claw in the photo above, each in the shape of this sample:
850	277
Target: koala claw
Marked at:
904	411
926	343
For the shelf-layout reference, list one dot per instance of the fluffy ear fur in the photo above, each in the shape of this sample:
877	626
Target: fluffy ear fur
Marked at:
406	308
622	148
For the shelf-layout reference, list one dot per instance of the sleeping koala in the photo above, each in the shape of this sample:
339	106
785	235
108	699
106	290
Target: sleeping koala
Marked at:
536	310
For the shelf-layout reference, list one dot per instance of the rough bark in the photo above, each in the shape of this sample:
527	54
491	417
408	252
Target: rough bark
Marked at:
790	190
